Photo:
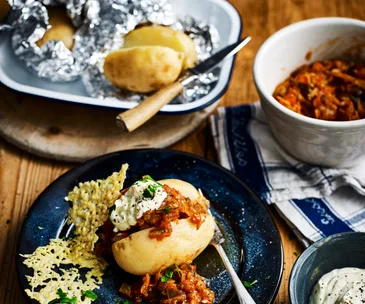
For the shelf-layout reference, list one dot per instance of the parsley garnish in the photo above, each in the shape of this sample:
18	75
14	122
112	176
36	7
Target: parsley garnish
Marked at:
295	253
89	294
166	209
150	191
126	302
268	277
40	228
62	298
168	274
249	284
178	270
149	178
61	294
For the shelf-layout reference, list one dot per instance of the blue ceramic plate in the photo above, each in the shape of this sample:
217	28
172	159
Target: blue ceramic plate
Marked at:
253	242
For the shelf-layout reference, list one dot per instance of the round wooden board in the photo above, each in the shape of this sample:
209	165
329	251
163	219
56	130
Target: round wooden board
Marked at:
73	132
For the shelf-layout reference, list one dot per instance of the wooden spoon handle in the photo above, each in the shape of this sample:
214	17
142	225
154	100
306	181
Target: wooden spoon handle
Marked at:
134	118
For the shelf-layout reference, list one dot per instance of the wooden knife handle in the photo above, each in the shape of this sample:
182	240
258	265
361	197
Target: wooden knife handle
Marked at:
134	118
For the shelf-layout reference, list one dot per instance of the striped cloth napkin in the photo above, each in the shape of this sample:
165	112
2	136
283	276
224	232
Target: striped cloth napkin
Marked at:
314	201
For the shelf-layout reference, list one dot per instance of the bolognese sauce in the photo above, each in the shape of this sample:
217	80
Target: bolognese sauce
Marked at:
175	285
331	90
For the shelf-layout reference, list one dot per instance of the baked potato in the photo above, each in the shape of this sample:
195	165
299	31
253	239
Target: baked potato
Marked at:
61	29
164	36
4	9
139	254
143	69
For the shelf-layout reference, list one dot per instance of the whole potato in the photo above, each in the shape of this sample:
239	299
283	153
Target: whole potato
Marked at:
4	9
164	36
143	69
139	254
62	28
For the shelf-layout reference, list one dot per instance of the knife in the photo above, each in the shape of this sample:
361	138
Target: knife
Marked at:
134	118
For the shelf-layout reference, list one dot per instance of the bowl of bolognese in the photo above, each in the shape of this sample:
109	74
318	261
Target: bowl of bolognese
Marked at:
310	77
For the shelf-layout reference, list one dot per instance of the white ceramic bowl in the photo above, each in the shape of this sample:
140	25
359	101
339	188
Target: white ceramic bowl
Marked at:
320	142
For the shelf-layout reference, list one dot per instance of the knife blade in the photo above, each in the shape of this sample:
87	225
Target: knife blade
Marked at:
219	57
134	118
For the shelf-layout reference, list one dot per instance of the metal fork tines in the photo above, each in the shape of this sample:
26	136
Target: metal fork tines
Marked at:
242	294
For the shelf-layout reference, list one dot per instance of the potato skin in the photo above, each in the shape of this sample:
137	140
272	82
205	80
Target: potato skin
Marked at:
4	9
143	69
164	36
139	254
62	28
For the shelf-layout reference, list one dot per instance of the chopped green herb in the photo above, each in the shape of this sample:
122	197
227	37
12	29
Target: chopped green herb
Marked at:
268	277
61	294
150	191
149	178
168	275
178	270
125	302
40	228
295	253
147	194
249	284
89	294
62	298
166	209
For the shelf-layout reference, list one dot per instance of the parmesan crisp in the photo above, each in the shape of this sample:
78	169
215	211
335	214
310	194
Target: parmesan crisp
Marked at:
46	280
90	208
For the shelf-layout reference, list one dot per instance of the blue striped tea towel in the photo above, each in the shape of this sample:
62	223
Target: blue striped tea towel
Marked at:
314	201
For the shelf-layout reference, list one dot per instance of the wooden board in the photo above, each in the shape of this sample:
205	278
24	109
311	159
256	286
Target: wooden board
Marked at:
70	132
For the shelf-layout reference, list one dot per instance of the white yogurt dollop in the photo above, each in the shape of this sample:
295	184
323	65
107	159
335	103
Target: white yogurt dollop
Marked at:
340	286
142	196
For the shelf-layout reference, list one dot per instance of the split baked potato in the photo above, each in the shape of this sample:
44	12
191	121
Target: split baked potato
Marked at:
61	29
164	36
143	69
139	254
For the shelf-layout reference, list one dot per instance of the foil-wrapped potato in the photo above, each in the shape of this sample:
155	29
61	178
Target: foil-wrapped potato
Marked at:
164	36
4	9
139	254
62	28
143	69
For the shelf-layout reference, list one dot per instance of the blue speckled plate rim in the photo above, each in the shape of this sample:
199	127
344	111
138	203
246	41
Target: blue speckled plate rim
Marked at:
90	163
306	253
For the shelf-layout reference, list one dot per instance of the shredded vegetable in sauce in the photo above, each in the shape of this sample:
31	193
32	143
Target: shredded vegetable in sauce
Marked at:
329	90
175	285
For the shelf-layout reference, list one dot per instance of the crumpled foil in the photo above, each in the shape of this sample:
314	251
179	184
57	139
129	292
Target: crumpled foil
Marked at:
102	24
53	60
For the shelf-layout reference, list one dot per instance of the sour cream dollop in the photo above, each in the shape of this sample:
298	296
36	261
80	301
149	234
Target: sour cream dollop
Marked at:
340	286
142	196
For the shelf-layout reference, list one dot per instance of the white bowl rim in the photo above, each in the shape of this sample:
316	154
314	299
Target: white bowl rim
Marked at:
284	31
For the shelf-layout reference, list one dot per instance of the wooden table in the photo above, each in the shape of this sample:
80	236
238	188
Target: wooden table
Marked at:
23	176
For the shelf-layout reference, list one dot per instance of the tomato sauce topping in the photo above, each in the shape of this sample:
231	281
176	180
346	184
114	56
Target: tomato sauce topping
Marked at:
175	285
329	90
174	207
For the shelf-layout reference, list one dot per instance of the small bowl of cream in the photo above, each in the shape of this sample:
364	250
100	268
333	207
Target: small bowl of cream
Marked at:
330	271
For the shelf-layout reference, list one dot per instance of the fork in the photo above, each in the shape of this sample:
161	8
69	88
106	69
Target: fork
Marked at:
217	240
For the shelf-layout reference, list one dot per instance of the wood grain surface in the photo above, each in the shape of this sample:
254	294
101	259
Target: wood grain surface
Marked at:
23	176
